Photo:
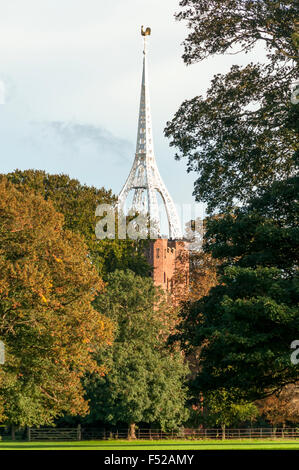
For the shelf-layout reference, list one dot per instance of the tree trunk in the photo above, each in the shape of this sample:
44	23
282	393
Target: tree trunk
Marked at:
223	431
283	429
13	432
132	431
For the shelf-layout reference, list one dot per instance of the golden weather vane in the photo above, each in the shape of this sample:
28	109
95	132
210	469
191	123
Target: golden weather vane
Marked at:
145	33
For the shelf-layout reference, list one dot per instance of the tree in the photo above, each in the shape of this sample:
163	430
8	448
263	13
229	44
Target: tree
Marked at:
144	380
47	323
202	267
78	204
219	410
281	408
246	324
236	138
202	276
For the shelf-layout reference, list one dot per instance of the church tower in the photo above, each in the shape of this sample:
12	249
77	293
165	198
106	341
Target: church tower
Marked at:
164	255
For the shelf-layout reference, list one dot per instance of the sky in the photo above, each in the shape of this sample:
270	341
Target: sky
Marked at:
70	74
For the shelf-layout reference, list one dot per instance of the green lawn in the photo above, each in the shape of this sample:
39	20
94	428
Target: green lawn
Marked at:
153	445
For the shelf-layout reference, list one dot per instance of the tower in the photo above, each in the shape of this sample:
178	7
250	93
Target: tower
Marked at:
144	178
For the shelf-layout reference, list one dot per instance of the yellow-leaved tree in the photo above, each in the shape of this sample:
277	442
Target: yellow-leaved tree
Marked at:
47	321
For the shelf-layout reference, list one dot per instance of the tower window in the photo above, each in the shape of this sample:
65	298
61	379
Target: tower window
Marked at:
164	277
158	252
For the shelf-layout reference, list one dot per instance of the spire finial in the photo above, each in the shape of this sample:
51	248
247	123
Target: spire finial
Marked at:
145	33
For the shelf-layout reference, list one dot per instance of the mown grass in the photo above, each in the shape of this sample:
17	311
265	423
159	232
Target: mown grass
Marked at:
253	444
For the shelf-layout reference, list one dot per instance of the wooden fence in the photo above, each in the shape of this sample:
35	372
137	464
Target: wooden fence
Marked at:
53	434
77	434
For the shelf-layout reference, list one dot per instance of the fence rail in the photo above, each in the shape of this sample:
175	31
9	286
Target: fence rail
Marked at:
77	434
53	434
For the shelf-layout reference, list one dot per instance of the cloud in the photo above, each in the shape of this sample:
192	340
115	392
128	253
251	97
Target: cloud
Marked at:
89	140
87	152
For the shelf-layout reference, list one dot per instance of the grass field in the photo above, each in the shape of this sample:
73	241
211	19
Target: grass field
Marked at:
154	445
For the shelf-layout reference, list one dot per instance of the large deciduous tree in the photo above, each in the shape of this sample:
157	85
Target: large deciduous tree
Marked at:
47	321
144	380
246	325
235	138
282	408
78	204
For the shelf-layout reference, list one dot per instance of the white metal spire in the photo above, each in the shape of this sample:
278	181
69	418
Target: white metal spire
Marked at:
144	178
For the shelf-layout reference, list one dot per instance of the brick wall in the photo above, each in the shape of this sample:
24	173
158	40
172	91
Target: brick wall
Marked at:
164	256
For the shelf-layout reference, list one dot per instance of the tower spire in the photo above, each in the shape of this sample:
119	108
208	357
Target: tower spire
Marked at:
144	178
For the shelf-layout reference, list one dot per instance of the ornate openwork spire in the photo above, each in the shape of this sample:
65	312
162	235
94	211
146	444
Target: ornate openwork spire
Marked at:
144	178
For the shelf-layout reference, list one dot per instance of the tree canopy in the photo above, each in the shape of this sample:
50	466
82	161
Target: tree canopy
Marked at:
47	322
235	138
281	408
78	204
245	326
145	379
219	410
230	26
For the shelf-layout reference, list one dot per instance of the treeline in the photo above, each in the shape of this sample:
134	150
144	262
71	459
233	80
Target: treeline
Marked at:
88	338
84	328
242	141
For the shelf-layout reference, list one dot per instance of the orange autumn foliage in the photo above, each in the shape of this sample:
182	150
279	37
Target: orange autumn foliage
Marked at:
47	321
281	408
202	276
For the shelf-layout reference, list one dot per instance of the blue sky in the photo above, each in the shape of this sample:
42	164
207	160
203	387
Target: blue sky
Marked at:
70	73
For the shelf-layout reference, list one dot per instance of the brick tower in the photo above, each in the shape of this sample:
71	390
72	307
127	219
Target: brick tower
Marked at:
167	257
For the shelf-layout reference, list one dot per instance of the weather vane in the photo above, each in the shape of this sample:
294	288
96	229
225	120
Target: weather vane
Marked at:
145	33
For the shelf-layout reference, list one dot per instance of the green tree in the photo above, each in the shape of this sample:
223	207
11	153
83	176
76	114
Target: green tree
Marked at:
235	138
219	410
47	322
144	380
246	324
78	204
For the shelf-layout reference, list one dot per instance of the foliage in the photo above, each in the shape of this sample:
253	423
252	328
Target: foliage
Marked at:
47	322
78	204
144	382
281	408
219	26
264	233
202	267
219	410
246	324
235	138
